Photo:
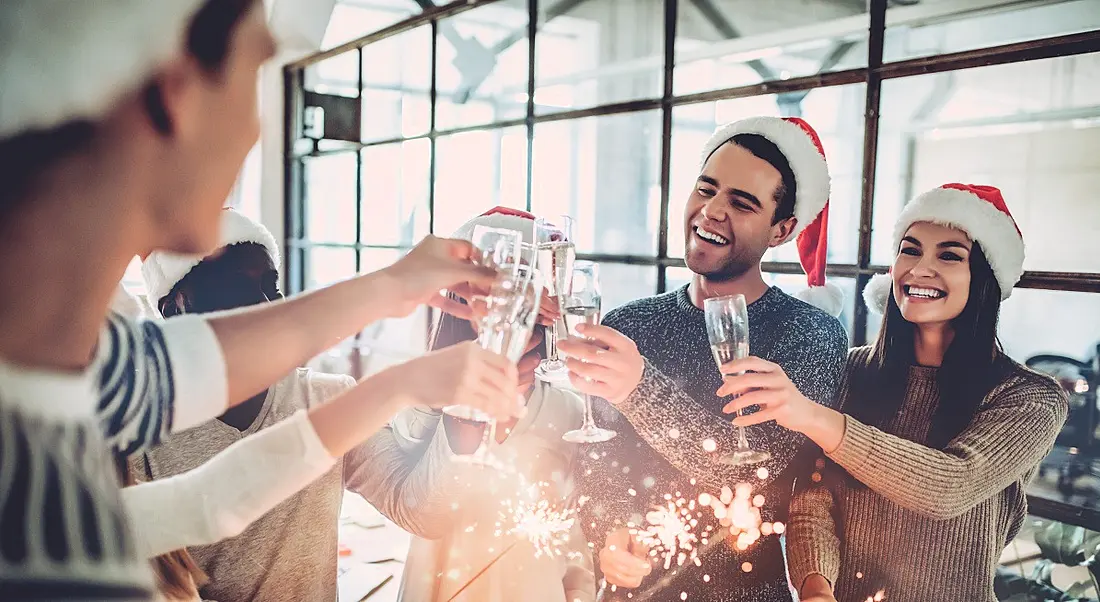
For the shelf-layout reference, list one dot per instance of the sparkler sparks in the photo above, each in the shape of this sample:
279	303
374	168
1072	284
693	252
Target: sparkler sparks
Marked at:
670	531
538	521
739	511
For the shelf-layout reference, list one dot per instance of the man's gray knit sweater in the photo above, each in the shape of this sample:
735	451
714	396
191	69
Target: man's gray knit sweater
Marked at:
663	424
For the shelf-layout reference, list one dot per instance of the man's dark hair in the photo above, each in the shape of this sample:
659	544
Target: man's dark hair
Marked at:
25	156
765	149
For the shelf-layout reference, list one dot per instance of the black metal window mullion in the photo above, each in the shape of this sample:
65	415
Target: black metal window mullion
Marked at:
529	119
671	15
359	172
876	38
432	105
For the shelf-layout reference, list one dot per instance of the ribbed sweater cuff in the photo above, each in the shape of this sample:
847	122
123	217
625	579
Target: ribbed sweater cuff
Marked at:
857	447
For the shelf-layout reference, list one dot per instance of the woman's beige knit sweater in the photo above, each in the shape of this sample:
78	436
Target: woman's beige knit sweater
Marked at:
931	523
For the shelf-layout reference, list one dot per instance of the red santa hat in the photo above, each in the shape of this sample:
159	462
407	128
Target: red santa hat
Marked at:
981	212
802	148
62	60
162	270
501	217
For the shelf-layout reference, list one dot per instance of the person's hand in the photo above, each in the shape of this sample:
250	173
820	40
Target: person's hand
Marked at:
604	363
436	264
624	559
816	589
462	374
762	383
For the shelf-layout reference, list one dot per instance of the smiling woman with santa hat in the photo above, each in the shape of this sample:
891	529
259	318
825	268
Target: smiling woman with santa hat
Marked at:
938	431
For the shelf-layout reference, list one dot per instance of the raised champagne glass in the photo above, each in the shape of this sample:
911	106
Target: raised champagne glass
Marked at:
728	330
554	237
583	306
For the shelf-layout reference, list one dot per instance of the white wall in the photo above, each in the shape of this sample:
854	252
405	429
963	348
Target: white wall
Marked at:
299	26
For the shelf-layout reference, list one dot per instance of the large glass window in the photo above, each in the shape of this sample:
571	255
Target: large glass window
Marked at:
605	172
731	43
597	52
404	134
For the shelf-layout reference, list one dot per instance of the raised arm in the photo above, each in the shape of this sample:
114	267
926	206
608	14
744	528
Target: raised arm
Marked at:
159	377
263	343
657	405
405	471
223	496
1006	439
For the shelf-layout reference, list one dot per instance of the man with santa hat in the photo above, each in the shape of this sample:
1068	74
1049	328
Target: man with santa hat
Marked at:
763	181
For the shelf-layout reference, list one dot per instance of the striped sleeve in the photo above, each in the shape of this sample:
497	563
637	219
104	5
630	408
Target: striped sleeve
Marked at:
156	378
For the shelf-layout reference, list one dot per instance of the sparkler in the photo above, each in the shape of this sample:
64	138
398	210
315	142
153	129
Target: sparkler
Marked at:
482	571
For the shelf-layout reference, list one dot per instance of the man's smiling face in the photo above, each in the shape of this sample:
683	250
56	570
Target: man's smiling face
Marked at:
728	218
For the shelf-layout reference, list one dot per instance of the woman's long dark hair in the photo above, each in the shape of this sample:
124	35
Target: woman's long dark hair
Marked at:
972	364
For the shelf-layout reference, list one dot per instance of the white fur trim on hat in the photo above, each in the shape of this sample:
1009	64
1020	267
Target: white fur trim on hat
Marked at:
994	230
162	270
523	225
811	174
62	60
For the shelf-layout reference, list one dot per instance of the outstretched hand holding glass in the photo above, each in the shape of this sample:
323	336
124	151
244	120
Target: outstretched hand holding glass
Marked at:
583	306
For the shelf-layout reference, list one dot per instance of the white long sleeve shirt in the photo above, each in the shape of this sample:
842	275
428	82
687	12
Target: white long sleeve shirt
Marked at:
223	496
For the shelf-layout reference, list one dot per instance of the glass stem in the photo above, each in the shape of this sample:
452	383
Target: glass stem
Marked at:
589	423
487	437
552	342
742	441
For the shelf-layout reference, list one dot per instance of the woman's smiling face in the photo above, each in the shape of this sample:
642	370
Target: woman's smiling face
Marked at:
931	273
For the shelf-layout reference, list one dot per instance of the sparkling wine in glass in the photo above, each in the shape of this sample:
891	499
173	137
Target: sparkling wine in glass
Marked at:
582	306
554	237
728	330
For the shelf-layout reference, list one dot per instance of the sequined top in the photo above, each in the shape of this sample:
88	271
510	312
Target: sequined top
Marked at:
931	523
663	425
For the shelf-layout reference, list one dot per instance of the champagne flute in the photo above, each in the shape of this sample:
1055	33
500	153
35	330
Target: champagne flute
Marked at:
513	307
582	306
498	248
557	253
728	330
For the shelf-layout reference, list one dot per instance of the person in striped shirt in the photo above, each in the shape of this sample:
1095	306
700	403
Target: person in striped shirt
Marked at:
123	124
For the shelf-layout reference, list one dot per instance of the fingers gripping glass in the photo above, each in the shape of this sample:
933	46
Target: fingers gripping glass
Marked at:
582	306
728	330
554	237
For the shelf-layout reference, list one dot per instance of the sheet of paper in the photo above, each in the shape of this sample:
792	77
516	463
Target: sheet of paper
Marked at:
359	581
